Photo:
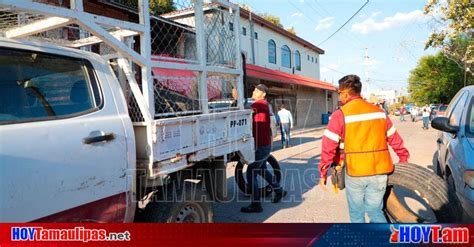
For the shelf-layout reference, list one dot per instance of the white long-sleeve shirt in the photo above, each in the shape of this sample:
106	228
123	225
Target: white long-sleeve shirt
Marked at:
285	117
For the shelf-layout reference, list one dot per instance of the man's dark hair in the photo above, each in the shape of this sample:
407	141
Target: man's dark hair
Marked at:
282	106
351	83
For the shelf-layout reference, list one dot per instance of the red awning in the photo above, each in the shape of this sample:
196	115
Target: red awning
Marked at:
278	76
182	81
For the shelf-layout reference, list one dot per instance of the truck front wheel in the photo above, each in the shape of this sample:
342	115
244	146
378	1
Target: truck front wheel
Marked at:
187	204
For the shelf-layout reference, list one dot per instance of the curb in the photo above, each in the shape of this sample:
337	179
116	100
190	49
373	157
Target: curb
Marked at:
300	131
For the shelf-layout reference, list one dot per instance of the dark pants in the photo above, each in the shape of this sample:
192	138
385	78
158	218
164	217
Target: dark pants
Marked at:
285	134
259	167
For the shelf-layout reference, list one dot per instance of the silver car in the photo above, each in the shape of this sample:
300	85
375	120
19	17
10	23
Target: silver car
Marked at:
456	148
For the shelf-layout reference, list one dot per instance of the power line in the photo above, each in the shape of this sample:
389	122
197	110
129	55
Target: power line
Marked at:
337	71
345	22
349	35
315	23
311	19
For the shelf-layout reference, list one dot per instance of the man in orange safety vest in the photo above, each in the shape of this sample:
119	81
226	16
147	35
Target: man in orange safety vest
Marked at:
357	134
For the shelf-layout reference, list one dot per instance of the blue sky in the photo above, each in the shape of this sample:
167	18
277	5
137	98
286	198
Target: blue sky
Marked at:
393	31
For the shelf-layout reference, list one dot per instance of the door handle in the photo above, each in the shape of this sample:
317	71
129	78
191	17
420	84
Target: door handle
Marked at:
98	136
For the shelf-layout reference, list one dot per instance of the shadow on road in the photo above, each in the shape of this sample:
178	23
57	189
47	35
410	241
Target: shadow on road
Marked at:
299	175
294	141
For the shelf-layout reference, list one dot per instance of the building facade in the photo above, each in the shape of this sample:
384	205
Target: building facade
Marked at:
289	66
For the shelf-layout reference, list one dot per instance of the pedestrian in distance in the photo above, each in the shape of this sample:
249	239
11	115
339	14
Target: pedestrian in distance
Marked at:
403	110
414	114
426	118
360	132
385	106
286	124
263	139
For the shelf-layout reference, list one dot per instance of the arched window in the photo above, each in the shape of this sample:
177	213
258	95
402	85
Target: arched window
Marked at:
285	56
272	58
297	60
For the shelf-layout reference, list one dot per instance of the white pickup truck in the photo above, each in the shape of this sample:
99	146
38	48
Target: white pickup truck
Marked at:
69	150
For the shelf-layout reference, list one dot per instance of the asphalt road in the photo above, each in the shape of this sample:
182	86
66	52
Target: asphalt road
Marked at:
306	202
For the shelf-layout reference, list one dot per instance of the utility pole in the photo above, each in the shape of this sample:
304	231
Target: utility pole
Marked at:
366	69
252	33
466	69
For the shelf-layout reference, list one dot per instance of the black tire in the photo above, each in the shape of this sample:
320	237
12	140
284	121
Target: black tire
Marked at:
187	204
264	191
426	185
450	181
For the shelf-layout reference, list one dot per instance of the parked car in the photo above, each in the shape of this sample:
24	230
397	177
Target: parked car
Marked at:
441	110
433	108
397	112
455	158
408	107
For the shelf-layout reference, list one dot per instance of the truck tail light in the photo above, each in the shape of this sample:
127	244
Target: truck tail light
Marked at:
468	178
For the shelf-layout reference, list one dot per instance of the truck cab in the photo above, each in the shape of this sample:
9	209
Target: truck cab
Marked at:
66	139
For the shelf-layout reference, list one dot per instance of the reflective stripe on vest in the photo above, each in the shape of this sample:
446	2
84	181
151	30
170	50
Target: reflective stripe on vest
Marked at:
365	141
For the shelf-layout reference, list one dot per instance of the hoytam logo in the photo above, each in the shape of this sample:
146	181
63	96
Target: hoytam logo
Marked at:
429	234
74	234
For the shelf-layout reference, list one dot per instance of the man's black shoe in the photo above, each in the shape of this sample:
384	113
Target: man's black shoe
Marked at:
278	195
252	208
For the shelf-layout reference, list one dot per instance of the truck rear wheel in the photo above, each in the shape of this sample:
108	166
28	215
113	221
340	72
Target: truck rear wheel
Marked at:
264	191
432	189
188	204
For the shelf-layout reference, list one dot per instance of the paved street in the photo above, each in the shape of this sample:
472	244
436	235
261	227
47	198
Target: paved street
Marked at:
306	202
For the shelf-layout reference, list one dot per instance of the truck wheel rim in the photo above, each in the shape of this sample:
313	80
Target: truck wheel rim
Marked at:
403	213
190	213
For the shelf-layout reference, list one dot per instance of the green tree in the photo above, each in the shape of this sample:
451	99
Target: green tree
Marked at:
436	79
291	30
162	6
156	6
245	6
456	21
272	18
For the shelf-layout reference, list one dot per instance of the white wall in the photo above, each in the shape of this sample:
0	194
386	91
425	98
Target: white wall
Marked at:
308	68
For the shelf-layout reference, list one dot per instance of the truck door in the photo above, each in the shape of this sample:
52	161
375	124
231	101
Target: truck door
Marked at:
63	153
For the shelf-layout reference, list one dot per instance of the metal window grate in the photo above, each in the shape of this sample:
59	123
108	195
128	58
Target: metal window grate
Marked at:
220	38
176	92
173	34
173	40
220	89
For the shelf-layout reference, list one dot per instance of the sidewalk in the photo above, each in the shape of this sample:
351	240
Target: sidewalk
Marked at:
302	130
299	131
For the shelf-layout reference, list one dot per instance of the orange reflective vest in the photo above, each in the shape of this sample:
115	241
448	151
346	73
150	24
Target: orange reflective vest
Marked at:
365	139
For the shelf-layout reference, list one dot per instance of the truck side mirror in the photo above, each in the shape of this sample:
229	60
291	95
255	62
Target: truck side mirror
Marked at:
442	123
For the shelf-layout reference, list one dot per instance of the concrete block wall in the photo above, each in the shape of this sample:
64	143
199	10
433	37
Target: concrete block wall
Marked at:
310	105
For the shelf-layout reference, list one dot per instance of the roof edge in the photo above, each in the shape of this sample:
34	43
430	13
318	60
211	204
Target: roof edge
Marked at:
246	14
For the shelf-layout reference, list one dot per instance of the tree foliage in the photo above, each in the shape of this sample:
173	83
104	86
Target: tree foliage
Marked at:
245	6
291	30
436	79
272	18
162	6
156	6
456	18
